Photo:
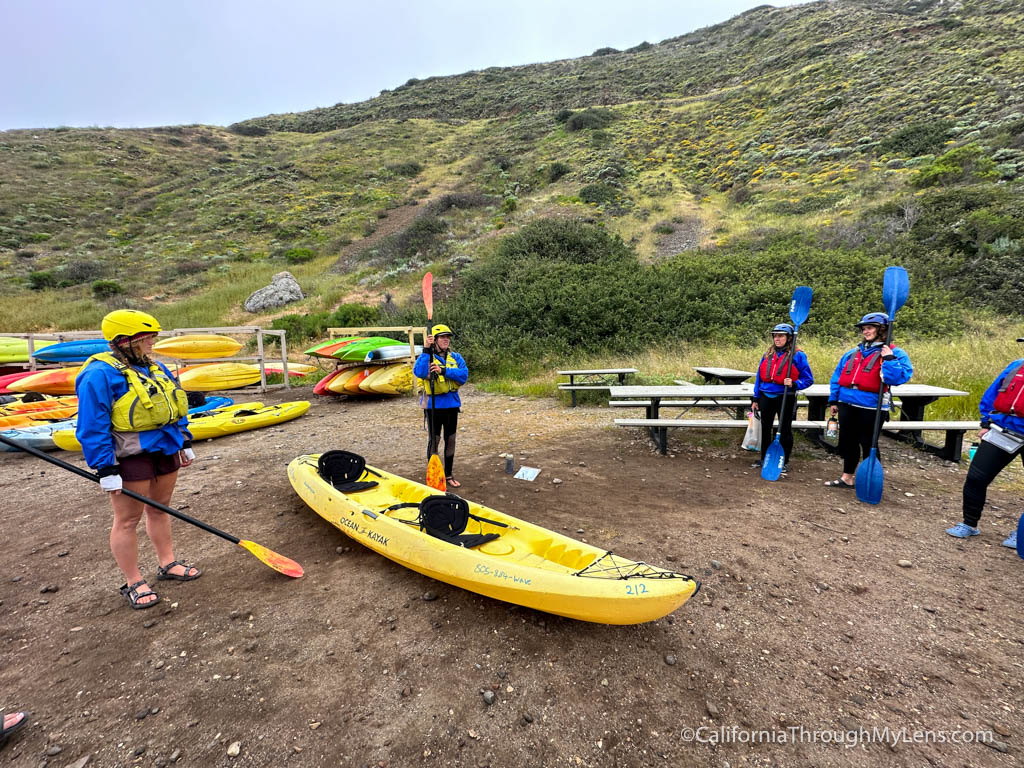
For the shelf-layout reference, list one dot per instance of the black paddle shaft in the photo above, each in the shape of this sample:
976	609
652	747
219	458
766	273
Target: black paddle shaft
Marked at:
131	494
882	389
785	368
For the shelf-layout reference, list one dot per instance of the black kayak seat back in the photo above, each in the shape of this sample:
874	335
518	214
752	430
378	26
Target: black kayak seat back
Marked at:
195	399
342	469
445	517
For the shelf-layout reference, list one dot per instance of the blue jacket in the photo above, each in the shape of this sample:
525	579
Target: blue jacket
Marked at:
988	416
460	375
804	377
98	387
894	372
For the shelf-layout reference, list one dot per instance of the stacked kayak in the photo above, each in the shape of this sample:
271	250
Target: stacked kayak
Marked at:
16	350
10	378
218	376
197	346
393	379
40	436
72	351
239	417
392	352
511	560
53	381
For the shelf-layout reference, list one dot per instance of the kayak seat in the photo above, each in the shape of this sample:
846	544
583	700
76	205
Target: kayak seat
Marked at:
344	470
446	516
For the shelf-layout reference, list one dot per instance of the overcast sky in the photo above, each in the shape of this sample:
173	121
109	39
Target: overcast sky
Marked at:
138	63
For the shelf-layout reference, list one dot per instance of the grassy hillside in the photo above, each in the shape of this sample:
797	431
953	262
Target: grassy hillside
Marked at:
814	144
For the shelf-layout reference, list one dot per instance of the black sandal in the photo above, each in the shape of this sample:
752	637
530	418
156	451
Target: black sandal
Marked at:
6	732
838	484
132	595
163	572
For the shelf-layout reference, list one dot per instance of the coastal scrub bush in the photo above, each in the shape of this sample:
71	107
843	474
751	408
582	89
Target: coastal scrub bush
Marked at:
409	168
588	118
557	170
599	193
42	279
105	289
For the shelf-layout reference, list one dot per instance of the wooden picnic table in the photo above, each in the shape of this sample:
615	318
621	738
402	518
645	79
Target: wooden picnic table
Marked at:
724	375
593	378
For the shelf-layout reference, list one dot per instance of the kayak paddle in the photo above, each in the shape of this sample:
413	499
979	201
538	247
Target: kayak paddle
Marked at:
870	476
775	456
1020	533
435	469
278	562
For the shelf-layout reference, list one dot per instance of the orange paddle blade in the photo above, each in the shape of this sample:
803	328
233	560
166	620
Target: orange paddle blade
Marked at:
278	562
428	294
435	474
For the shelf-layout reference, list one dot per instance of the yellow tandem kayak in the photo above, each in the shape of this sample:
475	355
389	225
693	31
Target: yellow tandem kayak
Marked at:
523	564
240	417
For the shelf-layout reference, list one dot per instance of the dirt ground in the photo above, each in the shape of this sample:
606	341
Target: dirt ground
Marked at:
807	625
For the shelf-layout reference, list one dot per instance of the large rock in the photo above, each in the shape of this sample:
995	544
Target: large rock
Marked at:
283	289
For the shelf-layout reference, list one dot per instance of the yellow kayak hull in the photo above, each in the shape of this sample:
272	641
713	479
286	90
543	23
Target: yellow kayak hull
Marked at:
217	377
240	417
527	565
338	383
395	379
195	346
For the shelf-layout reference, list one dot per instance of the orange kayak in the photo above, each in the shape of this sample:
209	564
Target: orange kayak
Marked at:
32	418
56	381
39	405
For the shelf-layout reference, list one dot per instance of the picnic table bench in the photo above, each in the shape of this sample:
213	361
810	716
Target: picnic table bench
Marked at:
593	378
913	398
724	375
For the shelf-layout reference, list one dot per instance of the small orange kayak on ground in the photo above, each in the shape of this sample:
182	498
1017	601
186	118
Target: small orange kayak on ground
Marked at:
37	405
32	418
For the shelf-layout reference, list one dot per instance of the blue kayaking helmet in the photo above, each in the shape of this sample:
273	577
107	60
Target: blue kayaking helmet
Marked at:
783	328
874	318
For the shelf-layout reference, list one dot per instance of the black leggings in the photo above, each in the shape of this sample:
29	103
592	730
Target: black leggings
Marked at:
446	419
988	462
856	430
769	408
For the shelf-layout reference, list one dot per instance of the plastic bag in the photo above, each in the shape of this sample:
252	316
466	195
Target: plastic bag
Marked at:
752	437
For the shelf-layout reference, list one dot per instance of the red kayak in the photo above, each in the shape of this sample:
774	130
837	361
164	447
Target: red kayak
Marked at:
10	379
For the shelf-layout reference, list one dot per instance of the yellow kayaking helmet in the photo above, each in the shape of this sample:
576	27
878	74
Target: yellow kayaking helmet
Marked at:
128	322
441	330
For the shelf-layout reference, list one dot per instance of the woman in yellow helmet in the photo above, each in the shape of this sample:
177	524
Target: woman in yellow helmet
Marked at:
442	372
133	427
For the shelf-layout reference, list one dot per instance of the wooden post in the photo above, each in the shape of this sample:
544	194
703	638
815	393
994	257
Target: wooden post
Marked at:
263	370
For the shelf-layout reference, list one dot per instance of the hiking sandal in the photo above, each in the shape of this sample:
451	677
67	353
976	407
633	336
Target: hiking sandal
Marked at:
163	573
838	484
132	595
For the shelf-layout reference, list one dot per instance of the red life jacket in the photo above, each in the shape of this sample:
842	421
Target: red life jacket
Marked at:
1010	399
774	370
863	372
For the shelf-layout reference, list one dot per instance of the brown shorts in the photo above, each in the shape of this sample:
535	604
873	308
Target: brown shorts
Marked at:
148	466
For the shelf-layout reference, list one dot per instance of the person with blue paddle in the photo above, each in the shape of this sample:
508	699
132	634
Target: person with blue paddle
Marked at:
1002	440
859	397
783	372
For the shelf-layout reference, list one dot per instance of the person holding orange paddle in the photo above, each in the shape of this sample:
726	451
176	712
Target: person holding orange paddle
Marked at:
441	372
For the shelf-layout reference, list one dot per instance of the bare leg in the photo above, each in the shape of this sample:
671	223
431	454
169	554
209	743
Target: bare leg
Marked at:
158	524
124	541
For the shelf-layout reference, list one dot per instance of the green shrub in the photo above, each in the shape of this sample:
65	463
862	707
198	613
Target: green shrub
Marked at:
664	228
588	118
605	51
563	115
409	168
557	170
314	325
599	193
299	255
916	139
42	279
105	289
964	163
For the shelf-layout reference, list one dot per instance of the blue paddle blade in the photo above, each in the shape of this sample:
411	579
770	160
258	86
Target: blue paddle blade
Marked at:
774	461
869	479
800	306
895	289
1020	537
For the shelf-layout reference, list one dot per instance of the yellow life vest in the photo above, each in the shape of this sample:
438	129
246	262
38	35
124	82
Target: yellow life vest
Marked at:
442	386
151	401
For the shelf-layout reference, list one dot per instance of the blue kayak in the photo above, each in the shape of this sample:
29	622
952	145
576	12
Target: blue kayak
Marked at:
72	351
